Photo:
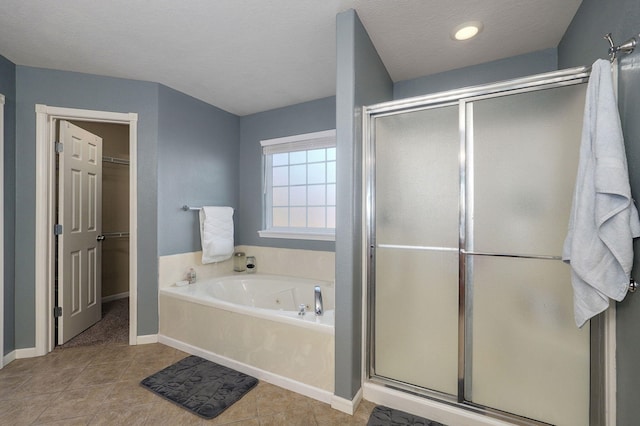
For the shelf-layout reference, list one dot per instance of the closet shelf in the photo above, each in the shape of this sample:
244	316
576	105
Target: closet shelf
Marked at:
115	160
116	234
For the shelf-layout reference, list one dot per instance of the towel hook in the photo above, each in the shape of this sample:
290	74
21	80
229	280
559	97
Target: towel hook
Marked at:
633	286
626	47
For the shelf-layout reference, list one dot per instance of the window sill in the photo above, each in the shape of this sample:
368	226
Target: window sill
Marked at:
302	235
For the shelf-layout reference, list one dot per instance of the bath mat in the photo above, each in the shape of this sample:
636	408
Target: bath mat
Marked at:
385	416
200	386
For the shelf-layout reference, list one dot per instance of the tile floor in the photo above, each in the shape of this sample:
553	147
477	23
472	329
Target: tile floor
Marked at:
99	385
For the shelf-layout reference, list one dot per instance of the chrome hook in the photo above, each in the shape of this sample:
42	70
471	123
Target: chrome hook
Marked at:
626	47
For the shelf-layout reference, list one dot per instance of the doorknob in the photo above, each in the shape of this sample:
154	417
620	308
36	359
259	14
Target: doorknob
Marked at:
100	238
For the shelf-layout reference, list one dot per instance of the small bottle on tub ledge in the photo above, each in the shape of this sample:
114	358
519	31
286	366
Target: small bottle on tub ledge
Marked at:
239	261
251	265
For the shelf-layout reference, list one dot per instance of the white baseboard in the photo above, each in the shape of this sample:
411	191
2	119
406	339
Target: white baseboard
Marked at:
26	353
275	379
8	358
346	405
149	338
113	297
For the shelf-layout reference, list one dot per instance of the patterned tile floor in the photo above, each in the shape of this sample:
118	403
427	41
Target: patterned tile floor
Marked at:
98	385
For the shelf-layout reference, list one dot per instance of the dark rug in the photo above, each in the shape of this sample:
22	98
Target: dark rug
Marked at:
385	416
200	386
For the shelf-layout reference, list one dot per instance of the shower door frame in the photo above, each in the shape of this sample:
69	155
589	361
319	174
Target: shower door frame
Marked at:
602	351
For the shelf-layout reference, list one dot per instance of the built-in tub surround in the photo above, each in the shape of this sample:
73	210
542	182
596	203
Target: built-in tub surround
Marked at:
319	265
291	350
279	346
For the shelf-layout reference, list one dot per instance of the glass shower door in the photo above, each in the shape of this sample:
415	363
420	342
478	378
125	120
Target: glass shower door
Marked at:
525	354
415	329
468	202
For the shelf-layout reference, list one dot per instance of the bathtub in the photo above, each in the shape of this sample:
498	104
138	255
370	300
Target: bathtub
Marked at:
252	323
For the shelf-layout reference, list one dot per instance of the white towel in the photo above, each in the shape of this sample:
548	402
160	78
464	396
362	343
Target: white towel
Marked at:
216	233
604	219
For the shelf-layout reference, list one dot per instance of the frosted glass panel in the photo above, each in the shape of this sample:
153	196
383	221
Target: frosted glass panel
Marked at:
316	217
298	157
317	195
417	178
416	317
280	196
280	176
528	356
525	156
331	171
280	159
298	216
317	173
331	153
298	174
331	195
298	195
280	216
316	155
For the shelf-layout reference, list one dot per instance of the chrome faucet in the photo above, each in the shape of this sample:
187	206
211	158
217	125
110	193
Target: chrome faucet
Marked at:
318	297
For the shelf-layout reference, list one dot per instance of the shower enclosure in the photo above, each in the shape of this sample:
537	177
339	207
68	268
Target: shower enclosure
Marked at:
468	196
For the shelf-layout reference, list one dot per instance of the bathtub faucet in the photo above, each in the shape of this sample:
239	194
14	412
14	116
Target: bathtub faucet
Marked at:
318	298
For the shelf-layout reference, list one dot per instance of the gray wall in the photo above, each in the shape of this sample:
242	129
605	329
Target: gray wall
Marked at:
582	44
8	89
362	79
313	116
490	72
197	165
75	90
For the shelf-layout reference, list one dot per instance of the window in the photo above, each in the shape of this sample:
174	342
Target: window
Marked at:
300	186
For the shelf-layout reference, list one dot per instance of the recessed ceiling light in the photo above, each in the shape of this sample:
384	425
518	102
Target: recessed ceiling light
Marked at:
467	30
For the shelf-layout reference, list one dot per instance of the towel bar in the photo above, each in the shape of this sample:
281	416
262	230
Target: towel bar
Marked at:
186	208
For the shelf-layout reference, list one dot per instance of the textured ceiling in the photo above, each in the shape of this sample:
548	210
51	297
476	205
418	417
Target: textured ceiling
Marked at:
246	56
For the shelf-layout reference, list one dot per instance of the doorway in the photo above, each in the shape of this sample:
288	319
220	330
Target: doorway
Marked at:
108	287
46	117
468	302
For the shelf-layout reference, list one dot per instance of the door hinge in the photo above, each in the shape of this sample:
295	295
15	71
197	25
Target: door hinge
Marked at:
57	311
59	147
57	229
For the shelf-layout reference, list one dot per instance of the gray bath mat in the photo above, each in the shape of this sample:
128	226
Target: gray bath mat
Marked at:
200	386
385	416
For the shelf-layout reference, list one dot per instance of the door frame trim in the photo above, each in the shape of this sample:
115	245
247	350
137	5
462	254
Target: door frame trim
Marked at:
45	214
2	230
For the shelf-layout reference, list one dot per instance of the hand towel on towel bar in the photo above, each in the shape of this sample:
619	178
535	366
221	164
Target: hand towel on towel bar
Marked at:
604	219
216	233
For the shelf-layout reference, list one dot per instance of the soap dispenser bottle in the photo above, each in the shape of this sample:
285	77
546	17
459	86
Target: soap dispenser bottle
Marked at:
191	275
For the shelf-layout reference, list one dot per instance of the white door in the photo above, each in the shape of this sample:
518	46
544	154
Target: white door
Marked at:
80	214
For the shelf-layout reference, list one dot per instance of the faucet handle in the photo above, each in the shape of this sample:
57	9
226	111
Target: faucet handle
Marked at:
319	308
302	308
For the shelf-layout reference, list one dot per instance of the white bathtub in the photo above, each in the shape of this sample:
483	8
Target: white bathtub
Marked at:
271	297
253	320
